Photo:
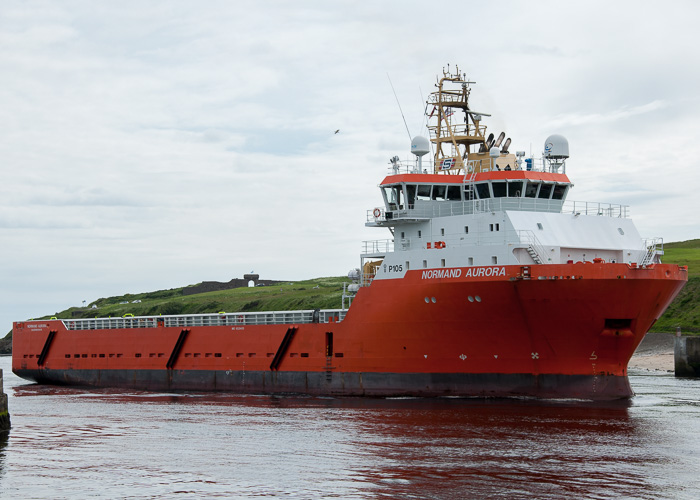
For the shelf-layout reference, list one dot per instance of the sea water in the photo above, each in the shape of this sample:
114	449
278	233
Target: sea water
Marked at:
108	443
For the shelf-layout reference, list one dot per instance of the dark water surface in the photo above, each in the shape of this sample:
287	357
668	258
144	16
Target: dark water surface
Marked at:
77	443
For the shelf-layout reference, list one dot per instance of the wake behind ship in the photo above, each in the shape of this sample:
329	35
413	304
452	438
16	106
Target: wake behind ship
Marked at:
491	283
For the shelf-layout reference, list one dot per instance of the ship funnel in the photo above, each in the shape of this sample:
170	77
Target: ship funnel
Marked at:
420	146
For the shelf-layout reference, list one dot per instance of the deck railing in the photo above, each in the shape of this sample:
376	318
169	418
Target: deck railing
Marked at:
431	210
217	319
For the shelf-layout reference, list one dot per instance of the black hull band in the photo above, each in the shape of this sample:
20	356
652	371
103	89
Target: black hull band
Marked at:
595	387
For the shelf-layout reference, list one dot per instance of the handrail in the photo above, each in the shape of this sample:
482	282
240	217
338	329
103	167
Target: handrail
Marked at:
432	209
215	319
651	249
529	238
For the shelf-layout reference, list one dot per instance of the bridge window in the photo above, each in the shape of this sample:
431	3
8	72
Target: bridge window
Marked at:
394	197
559	191
439	192
423	193
531	189
499	189
410	194
545	191
515	189
454	193
483	190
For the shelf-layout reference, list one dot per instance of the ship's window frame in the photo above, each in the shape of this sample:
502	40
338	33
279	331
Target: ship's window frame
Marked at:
545	192
499	189
393	196
439	192
516	188
529	189
482	189
559	191
423	192
410	195
454	193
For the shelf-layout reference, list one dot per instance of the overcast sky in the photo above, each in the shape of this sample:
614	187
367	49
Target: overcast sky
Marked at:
148	145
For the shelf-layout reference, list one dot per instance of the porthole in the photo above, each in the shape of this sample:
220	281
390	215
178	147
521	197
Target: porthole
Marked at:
433	300
427	300
478	299
471	299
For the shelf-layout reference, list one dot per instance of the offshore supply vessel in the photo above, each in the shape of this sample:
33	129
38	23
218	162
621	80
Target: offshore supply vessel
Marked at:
491	284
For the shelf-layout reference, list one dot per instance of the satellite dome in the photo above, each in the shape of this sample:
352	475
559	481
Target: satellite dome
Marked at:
556	147
420	146
494	152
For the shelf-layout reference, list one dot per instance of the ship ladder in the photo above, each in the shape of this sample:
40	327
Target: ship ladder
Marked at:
45	350
176	350
534	255
277	360
329	368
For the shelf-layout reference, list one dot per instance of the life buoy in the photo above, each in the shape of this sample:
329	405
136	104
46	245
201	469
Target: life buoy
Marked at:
439	244
377	213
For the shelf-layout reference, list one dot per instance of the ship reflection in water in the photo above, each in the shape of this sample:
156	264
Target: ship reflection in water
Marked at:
69	443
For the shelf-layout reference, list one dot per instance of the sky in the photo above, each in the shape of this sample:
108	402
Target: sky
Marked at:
148	145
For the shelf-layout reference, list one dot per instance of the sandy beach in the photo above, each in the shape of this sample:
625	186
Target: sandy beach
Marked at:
655	353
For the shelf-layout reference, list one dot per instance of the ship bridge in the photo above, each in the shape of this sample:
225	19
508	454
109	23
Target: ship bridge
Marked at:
418	197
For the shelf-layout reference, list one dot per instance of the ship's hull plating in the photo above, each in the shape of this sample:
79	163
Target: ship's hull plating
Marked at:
542	331
347	383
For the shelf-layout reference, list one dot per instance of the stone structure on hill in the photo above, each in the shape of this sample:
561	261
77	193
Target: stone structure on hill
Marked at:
215	286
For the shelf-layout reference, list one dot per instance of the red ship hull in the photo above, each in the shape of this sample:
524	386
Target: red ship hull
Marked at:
543	331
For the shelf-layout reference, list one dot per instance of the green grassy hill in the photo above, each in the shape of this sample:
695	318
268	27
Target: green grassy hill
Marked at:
319	293
684	311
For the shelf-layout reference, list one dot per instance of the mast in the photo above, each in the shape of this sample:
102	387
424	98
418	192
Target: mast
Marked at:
454	133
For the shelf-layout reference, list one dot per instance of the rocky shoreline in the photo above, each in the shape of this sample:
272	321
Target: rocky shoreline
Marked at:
655	353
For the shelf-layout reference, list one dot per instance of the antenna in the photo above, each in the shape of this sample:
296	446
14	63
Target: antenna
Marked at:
399	104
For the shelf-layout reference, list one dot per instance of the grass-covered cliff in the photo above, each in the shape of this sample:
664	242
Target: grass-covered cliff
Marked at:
684	311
